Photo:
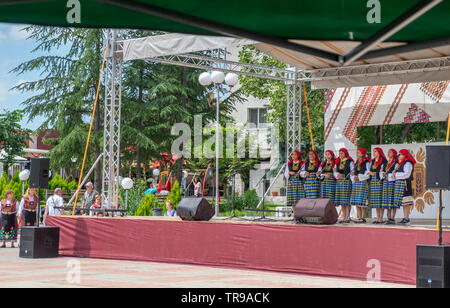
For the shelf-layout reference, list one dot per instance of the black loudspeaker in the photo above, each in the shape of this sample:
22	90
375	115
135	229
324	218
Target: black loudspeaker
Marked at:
39	242
195	209
433	266
438	167
39	172
321	211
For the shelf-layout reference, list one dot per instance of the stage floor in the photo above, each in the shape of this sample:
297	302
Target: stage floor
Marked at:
368	251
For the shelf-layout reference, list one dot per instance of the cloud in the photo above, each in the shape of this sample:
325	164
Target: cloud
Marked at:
18	32
2	36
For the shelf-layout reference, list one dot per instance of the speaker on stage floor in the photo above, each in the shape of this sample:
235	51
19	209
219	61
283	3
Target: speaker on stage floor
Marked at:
39	172
437	167
39	242
433	266
195	209
321	211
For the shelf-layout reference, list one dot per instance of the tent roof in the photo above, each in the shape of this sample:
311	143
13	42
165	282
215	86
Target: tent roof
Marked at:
306	20
332	38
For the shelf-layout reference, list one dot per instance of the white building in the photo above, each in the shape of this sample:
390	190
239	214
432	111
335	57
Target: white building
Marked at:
252	112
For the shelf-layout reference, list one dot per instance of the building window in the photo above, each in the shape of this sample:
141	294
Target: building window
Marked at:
257	116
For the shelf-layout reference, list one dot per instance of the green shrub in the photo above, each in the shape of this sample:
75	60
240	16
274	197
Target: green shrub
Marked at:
3	182
146	206
250	199
15	185
135	196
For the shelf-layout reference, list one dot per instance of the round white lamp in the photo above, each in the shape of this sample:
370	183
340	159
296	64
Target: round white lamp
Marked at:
217	77
205	79
231	79
24	176
156	173
127	184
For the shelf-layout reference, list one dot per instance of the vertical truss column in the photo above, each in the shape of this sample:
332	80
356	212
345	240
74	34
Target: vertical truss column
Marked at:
293	115
111	130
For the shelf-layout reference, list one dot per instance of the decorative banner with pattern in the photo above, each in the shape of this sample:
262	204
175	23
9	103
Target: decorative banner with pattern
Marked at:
350	108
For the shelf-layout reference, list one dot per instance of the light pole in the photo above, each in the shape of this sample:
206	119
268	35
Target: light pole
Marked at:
216	77
24	176
127	184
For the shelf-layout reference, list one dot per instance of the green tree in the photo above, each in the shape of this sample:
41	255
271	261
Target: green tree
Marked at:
13	138
275	92
65	93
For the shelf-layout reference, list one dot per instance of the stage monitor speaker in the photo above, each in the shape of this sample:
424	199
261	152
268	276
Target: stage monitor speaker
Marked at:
321	211
195	209
39	242
437	167
39	173
433	266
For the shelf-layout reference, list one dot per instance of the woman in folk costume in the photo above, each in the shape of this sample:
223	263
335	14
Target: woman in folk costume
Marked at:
388	187
377	165
9	210
343	167
360	186
403	174
325	173
309	172
295	190
27	208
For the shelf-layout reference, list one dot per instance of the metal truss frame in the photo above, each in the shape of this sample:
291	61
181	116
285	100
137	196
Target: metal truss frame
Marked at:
111	125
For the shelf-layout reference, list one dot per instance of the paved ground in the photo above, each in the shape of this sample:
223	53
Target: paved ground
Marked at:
62	272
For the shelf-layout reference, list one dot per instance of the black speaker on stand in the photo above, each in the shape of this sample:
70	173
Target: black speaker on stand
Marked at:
39	241
433	261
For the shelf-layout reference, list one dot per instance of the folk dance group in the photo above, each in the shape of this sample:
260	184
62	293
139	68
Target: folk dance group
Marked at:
382	183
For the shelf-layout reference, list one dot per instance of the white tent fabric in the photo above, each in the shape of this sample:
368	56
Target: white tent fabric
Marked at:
424	65
174	44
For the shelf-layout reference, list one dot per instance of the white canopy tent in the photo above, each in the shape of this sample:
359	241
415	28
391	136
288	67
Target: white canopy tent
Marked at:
429	63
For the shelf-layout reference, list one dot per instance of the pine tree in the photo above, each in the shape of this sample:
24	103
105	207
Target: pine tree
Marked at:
66	91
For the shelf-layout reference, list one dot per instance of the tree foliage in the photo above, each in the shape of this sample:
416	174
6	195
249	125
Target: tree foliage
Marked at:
275	92
13	138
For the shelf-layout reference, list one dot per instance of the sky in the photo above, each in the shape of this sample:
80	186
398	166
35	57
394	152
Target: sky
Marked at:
15	48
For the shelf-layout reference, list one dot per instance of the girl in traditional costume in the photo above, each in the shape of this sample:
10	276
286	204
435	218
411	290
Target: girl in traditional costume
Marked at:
344	165
376	183
403	174
309	172
325	174
27	208
388	187
9	224
360	186
295	190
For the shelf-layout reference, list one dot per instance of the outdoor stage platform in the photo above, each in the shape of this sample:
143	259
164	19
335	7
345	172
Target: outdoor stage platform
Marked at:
339	250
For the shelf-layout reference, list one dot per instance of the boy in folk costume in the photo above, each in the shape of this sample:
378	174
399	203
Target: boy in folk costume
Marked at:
27	208
295	190
309	172
388	187
403	174
360	186
377	165
325	174
344	165
9	224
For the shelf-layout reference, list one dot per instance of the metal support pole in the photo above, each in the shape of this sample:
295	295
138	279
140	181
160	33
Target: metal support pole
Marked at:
217	153
440	217
126	199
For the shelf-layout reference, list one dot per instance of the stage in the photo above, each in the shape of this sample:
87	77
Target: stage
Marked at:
349	251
